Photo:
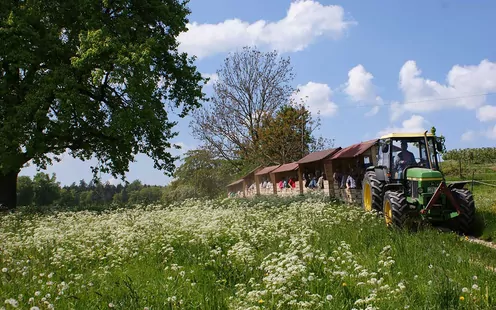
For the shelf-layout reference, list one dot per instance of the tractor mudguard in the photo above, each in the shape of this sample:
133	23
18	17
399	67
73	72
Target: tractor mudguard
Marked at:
370	168
393	187
380	174
457	185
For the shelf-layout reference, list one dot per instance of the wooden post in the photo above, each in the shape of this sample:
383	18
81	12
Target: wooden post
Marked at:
300	179
257	183
329	171
274	185
373	154
244	188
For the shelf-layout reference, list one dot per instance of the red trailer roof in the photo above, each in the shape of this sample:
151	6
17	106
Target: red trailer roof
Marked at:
267	170
235	183
316	156
286	167
354	150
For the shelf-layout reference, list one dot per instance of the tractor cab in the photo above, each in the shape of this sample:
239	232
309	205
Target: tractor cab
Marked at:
399	152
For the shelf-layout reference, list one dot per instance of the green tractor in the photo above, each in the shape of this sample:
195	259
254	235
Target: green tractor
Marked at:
408	187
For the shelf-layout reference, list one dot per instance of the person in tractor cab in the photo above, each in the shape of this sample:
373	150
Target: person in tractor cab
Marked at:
403	159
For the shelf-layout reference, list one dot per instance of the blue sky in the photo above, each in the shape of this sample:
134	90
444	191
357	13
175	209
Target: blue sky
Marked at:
369	66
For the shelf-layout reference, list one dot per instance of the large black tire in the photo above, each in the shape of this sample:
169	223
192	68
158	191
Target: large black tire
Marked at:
396	209
375	195
463	222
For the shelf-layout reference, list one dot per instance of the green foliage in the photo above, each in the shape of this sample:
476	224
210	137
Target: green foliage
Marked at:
46	189
287	136
25	191
200	175
483	155
146	195
95	77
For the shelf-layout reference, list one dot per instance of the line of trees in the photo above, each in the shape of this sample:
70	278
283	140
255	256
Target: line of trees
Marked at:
483	155
44	190
201	175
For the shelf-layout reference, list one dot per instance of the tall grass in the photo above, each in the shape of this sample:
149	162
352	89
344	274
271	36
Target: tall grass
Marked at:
284	253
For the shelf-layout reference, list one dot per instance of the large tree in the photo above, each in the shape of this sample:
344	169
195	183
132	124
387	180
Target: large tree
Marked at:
97	77
253	118
251	85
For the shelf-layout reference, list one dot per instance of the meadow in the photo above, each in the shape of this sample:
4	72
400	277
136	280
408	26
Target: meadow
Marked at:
265	253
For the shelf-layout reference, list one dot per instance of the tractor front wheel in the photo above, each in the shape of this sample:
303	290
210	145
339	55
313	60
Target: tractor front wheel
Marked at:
396	209
372	192
463	222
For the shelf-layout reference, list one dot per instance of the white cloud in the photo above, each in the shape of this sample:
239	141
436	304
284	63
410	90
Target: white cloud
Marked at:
180	152
468	136
491	133
462	83
415	123
114	181
304	22
360	88
317	97
373	111
396	110
487	113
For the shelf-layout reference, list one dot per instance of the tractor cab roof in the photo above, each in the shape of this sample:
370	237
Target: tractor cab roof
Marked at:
400	135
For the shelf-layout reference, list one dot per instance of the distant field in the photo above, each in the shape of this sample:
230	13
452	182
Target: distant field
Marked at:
268	253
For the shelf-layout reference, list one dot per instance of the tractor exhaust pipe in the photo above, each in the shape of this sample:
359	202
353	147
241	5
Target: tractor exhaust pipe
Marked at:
428	150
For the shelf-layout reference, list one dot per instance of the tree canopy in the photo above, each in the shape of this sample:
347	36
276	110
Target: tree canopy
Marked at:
252	101
98	78
287	137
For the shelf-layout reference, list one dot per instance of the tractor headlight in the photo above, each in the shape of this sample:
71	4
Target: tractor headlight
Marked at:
431	189
420	190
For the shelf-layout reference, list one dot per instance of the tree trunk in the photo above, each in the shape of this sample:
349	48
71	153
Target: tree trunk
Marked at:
8	190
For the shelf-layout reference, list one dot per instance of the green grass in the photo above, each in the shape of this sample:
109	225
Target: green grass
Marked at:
284	253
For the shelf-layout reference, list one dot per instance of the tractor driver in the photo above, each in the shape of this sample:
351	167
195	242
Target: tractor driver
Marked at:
403	159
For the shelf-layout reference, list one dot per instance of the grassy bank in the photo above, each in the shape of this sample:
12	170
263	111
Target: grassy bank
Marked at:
263	254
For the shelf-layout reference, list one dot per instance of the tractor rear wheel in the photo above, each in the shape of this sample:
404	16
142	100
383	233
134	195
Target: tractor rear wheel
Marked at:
396	209
463	222
372	192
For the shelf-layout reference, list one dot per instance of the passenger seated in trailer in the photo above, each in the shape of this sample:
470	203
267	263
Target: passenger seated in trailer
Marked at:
350	182
264	183
320	182
312	182
291	183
